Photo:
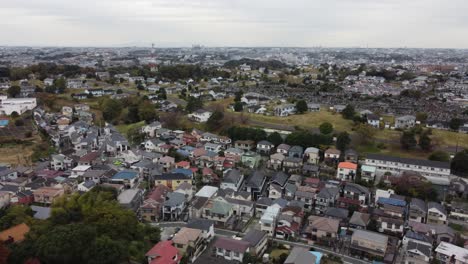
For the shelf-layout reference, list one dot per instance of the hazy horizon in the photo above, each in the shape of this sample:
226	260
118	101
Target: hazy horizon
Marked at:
227	23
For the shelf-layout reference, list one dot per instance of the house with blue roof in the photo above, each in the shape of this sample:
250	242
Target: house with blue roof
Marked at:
126	177
186	172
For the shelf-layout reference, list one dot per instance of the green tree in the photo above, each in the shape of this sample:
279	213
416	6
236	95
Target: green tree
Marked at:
14	91
193	104
421	117
439	155
326	128
135	135
348	112
60	85
455	124
342	141
425	141
162	94
301	106
111	109
238	106
147	112
365	133
15	215
459	163
275	138
408	140
238	96
215	120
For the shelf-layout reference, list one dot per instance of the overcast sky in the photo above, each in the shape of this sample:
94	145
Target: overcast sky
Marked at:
300	23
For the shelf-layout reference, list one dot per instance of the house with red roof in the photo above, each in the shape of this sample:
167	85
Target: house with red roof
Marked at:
151	208
164	252
183	164
346	171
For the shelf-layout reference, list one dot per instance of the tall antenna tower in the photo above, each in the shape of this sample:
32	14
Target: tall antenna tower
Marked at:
153	66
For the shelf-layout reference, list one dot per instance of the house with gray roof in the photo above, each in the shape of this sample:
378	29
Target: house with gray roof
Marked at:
368	243
296	152
436	214
300	255
405	122
417	210
359	220
255	184
174	206
232	179
205	225
265	147
326	198
131	199
435	171
258	241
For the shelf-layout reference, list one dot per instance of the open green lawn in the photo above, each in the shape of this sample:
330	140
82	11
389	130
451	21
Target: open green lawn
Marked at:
449	138
276	253
123	129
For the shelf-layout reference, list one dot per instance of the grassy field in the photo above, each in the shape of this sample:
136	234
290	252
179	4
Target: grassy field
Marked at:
307	120
16	154
276	253
123	129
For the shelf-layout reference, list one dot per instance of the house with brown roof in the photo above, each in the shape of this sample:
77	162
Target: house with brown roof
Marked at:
90	159
14	234
323	230
246	145
190	242
47	195
332	155
231	249
151	208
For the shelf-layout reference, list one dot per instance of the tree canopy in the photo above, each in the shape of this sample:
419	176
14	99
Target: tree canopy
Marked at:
88	228
459	163
14	91
275	138
408	140
439	155
214	122
301	106
342	141
326	128
348	112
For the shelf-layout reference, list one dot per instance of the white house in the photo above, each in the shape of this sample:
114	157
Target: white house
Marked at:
200	115
285	110
86	186
48	81
404	122
449	253
268	219
373	120
18	105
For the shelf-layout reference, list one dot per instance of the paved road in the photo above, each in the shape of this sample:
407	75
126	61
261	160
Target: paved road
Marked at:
346	259
229	233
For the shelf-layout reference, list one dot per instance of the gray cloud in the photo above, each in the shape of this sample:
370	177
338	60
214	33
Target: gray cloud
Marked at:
382	23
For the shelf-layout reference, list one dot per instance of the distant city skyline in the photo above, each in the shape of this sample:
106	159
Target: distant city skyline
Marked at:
235	23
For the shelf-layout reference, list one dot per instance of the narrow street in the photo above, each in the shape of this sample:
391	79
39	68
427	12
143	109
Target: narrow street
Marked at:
229	233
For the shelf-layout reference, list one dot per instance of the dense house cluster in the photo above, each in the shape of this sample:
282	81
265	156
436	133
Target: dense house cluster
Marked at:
278	188
259	193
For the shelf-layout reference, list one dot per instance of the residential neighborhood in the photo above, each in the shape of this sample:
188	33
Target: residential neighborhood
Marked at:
212	158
